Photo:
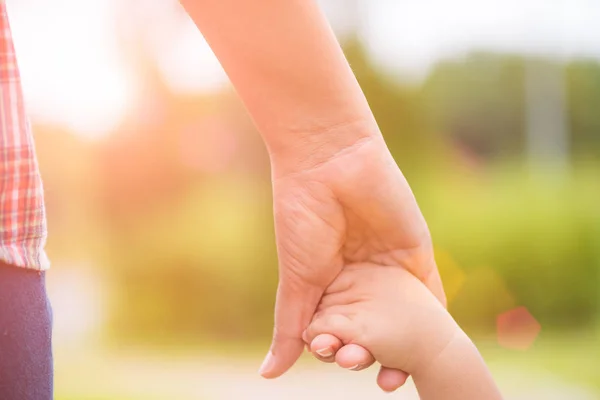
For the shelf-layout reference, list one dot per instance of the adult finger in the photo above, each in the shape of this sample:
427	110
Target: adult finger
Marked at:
294	308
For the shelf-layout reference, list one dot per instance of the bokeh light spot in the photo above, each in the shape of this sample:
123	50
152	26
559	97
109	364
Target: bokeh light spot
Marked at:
453	276
483	295
517	329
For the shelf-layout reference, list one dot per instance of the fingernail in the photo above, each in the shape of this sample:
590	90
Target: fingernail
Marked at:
355	368
326	352
267	364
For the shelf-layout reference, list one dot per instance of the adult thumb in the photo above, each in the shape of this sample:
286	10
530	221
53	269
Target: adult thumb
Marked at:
294	308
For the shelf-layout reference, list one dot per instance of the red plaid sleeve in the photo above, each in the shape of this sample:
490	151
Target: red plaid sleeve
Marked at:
22	214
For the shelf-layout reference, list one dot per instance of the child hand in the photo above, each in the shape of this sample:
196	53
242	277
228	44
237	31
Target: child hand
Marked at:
387	311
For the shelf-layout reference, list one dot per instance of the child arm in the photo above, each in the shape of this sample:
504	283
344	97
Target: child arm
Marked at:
458	372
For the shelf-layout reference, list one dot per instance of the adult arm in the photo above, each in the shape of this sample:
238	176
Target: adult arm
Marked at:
334	180
287	66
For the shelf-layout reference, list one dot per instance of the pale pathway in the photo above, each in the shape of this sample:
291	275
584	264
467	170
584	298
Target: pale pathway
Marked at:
135	378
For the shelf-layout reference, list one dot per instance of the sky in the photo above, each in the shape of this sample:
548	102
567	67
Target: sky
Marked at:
413	34
73	73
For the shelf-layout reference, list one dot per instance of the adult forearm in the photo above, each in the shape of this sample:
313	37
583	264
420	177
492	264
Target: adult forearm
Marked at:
458	373
291	73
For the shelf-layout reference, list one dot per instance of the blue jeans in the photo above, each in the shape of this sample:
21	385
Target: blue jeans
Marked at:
25	335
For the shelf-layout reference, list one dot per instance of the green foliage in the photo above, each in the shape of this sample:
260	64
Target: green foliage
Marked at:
479	101
206	269
201	262
203	268
399	112
583	82
541	237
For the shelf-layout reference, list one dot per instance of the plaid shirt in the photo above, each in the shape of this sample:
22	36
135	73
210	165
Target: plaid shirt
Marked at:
22	213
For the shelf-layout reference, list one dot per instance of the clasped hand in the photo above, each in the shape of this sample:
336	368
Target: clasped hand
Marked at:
354	207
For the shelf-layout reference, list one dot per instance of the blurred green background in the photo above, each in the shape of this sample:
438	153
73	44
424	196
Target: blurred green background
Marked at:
159	201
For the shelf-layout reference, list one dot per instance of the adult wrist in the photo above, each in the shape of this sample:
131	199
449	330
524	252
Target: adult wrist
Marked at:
296	151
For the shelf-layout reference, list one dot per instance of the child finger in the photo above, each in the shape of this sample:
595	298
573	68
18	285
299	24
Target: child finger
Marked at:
337	325
354	357
325	346
390	379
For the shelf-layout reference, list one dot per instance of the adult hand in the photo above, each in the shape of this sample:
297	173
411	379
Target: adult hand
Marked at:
351	207
338	194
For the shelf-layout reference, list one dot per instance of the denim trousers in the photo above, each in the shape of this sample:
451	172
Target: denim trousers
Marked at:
26	371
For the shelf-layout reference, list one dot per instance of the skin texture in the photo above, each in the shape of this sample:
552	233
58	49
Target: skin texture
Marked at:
338	196
340	213
387	311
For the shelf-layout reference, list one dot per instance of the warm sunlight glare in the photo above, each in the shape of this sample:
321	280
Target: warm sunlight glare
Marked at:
70	63
188	63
